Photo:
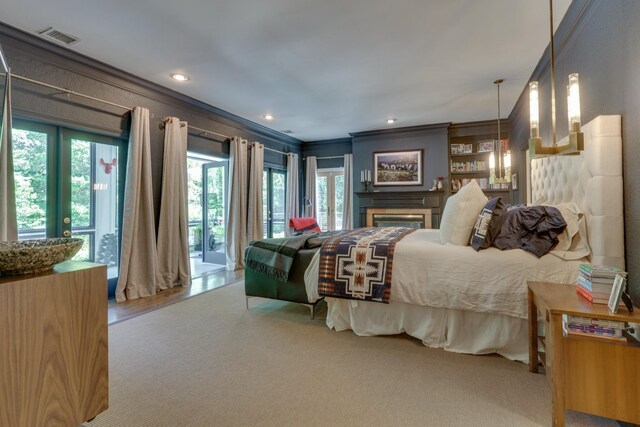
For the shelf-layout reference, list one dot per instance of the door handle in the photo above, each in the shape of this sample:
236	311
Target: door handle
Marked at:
66	233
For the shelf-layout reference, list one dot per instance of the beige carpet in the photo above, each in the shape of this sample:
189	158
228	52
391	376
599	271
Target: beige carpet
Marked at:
206	361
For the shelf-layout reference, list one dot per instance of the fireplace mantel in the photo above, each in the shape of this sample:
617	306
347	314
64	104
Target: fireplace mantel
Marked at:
433	200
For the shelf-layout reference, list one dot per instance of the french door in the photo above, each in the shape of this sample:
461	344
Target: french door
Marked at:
274	184
70	183
215	176
330	198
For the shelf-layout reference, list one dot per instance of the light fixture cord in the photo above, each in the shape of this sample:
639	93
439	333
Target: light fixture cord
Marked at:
553	77
499	142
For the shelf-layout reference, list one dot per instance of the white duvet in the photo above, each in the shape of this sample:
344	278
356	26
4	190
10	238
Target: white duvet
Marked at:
428	273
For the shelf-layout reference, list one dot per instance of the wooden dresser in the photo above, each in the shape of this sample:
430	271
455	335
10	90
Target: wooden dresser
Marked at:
53	346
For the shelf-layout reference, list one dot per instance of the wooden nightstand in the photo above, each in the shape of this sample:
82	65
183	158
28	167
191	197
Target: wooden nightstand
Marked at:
591	375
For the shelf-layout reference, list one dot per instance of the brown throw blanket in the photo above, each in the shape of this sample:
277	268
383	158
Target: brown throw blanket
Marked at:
358	264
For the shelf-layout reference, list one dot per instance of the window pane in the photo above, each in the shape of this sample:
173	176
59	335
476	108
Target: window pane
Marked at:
278	202
323	202
339	200
30	171
194	200
94	202
215	210
81	178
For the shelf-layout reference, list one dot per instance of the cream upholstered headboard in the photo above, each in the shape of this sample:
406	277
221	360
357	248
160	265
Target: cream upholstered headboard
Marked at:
593	180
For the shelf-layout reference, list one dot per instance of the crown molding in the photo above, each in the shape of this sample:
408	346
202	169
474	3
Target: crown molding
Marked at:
403	132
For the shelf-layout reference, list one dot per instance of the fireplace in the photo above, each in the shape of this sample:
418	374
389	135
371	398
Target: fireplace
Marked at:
399	217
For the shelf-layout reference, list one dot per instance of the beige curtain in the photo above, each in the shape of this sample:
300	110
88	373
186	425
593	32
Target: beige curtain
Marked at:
310	198
173	230
8	222
255	226
138	260
236	231
347	204
292	196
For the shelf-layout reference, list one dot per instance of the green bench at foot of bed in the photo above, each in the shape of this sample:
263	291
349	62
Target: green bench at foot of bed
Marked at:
257	284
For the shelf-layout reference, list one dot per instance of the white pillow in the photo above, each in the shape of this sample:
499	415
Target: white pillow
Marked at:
460	214
572	243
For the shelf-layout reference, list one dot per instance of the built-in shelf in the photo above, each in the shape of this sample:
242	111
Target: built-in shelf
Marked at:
471	137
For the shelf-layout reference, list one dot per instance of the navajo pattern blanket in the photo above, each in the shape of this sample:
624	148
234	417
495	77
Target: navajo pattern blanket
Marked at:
358	264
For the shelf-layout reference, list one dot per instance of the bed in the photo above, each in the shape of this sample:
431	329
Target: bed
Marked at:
455	298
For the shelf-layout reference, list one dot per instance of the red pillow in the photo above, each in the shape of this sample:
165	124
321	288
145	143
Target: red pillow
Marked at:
304	224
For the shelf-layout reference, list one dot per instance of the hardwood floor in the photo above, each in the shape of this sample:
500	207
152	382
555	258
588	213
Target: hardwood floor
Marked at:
119	312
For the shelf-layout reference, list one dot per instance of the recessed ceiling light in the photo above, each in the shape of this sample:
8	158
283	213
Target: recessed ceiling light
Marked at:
391	121
268	117
180	77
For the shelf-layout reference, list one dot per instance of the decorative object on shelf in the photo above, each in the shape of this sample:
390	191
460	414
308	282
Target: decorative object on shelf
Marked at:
34	256
501	175
398	167
618	288
440	181
486	146
434	187
365	178
576	138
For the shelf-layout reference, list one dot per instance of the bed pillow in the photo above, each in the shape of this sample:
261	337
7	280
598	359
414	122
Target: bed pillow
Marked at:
488	224
572	243
460	214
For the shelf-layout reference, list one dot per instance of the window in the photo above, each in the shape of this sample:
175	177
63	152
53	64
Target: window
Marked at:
330	195
274	183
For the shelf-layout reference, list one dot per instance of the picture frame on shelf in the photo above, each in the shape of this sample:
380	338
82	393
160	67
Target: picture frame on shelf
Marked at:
619	284
468	149
486	146
457	148
398	168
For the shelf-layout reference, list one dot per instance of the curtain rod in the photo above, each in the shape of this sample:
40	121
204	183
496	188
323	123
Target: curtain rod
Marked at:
326	157
70	92
271	149
204	132
4	61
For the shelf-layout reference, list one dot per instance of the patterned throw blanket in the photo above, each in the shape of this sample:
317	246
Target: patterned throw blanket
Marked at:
358	264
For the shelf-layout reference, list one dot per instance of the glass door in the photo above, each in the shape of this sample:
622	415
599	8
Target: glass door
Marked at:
70	183
91	184
330	195
215	181
274	185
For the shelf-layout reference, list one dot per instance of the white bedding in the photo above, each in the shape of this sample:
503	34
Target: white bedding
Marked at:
428	273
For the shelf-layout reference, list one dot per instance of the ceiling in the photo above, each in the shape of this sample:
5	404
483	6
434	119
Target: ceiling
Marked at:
323	68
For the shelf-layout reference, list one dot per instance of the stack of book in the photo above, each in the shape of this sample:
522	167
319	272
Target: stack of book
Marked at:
597	328
595	282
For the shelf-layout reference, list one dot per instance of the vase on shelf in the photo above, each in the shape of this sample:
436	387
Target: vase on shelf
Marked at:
439	184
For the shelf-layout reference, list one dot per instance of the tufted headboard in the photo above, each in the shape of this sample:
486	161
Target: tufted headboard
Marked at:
593	180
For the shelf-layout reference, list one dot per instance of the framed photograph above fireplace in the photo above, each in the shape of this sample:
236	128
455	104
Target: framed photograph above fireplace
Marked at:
398	167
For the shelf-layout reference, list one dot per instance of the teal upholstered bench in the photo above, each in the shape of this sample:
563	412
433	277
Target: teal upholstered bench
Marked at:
257	284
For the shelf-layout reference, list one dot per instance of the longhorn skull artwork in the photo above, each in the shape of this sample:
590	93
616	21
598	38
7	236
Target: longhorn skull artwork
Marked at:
108	166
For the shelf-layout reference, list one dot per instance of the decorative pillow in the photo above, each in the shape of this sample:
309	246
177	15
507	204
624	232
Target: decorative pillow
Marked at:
572	243
488	224
460	214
